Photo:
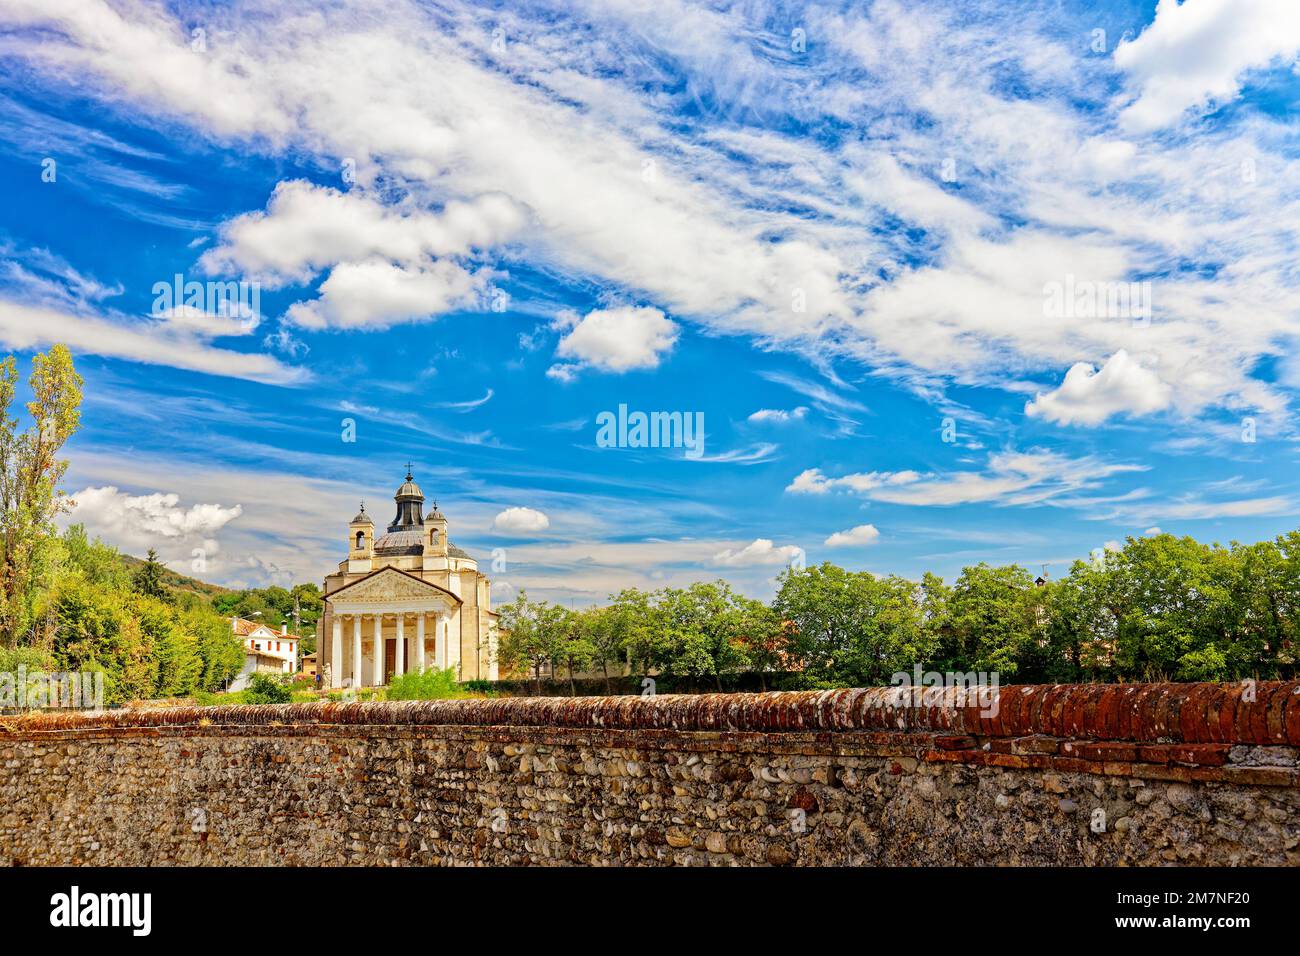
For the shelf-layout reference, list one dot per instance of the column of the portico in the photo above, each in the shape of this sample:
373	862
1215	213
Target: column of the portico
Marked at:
453	645
399	658
419	642
440	641
379	650
356	651
336	653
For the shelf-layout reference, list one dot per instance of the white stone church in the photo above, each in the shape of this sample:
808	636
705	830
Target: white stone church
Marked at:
405	600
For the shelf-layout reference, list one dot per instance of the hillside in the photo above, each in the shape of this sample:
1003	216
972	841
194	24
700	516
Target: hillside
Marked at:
176	581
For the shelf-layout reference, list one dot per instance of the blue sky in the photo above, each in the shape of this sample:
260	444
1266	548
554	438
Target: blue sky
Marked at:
835	230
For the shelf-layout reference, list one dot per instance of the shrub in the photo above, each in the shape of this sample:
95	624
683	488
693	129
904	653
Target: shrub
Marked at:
267	689
429	684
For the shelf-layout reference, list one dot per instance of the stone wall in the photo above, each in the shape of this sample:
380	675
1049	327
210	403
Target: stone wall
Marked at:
1107	774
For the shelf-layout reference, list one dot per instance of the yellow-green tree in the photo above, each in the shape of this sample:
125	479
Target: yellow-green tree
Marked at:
30	472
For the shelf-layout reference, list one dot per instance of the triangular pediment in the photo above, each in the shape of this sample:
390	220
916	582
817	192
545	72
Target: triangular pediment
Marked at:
390	585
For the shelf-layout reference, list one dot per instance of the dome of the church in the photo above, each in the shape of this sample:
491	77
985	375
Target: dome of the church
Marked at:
410	504
362	517
410	543
409	490
399	543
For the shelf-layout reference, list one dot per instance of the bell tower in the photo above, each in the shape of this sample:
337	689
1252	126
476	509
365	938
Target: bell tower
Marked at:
361	541
435	535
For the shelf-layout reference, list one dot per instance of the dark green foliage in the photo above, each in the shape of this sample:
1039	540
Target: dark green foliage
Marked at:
268	689
148	578
851	628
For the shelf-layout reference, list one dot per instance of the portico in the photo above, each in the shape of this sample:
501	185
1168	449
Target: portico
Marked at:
390	622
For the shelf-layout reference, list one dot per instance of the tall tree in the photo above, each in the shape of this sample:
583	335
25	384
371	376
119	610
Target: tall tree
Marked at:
851	628
703	626
148	577
30	472
605	631
534	635
991	620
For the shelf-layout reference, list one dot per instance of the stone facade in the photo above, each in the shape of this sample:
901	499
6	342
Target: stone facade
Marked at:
842	777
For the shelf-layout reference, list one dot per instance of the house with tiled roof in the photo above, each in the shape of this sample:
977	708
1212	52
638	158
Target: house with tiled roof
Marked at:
266	651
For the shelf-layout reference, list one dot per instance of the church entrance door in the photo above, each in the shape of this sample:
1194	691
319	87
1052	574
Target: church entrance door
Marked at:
390	659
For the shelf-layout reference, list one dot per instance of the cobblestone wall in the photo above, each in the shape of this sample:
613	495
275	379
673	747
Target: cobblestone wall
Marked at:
1143	774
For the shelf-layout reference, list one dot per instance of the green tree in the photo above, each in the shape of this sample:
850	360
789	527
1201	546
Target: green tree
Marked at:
989	622
851	628
605	631
220	652
641	624
179	667
703	629
763	637
574	645
95	561
148	578
30	472
534	633
268	689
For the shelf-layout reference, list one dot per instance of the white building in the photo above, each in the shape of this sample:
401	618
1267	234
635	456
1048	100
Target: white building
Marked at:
404	600
266	651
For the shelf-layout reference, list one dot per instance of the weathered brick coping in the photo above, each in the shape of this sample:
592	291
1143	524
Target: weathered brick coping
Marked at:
1265	713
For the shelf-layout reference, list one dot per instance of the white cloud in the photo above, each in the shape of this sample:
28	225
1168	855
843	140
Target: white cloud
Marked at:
760	551
1196	51
728	222
748	455
778	416
1151	532
617	340
1010	478
1089	396
812	481
521	521
136	523
285	341
862	534
376	294
387	264
1192	506
307	229
155	342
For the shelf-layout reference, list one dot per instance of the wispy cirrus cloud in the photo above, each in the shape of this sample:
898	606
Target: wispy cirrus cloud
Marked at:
886	203
1032	477
922	249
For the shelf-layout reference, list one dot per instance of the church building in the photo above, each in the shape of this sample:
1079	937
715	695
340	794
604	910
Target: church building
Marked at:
407	599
